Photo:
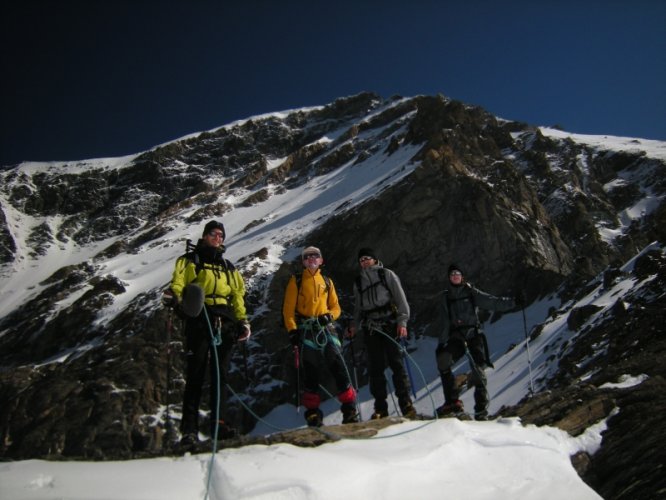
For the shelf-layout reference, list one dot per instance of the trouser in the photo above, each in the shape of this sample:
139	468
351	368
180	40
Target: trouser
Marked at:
313	359
385	351
199	358
449	353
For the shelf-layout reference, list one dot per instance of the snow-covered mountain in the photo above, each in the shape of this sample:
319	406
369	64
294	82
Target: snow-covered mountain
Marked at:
86	249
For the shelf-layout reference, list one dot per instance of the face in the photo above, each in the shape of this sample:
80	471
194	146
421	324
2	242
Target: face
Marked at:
312	260
455	277
366	261
214	238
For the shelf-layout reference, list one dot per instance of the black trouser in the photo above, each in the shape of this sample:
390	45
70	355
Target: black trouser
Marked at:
200	356
383	351
330	356
449	353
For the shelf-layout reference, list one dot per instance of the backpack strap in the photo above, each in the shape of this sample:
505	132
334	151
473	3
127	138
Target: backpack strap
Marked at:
299	278
381	272
193	256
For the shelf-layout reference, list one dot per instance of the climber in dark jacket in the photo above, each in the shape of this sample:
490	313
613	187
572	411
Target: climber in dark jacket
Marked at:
461	330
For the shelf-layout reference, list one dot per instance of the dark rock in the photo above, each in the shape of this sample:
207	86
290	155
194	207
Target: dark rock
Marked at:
579	315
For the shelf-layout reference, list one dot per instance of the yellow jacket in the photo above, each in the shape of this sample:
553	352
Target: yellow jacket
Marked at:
220	280
310	301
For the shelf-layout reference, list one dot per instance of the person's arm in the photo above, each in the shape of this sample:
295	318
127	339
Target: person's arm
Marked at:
334	308
399	298
178	277
289	305
238	296
491	302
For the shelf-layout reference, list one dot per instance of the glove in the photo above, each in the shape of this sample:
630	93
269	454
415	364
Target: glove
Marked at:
169	299
244	331
350	332
324	319
295	338
519	299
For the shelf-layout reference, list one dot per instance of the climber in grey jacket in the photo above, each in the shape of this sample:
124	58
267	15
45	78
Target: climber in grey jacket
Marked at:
381	311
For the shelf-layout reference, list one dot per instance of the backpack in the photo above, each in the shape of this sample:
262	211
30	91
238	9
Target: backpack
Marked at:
193	256
382	281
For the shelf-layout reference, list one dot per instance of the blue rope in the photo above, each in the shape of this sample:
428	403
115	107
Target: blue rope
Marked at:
404	351
322	337
409	369
216	341
327	433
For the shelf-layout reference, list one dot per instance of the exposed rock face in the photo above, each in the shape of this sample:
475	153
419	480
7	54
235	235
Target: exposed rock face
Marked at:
519	209
630	463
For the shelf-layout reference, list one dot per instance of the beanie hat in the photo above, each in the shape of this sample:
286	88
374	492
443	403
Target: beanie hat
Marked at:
367	252
308	250
214	225
456	267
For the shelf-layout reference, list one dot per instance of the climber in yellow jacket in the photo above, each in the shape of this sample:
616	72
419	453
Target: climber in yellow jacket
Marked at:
309	311
218	321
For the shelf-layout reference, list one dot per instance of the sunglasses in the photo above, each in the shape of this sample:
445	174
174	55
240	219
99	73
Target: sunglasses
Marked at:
455	273
311	256
365	259
216	234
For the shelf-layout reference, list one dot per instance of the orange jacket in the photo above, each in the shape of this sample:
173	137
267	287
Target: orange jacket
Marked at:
310	301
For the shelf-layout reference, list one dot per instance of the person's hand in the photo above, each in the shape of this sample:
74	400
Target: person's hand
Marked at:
245	332
519	299
402	331
350	333
325	319
295	338
169	299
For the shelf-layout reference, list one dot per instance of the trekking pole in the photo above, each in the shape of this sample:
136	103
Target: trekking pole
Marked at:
527	345
247	378
391	390
473	365
297	365
167	417
353	355
403	344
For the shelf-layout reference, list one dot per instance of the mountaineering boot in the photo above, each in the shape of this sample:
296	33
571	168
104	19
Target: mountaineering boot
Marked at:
188	440
314	417
379	414
481	416
449	409
349	413
408	411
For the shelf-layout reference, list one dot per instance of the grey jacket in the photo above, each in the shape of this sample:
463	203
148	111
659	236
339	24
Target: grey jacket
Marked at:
461	305
374	300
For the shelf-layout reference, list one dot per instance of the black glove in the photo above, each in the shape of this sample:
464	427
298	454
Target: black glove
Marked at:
519	299
295	338
169	299
324	319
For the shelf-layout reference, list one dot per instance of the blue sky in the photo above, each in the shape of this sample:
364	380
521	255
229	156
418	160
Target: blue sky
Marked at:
88	79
